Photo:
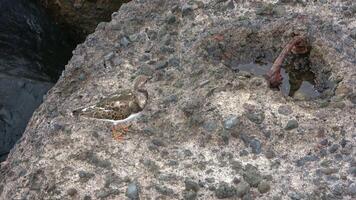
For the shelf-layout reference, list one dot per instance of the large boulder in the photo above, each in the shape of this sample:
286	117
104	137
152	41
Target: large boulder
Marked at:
192	53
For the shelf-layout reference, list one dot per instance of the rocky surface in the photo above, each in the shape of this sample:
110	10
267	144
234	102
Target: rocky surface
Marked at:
80	17
208	131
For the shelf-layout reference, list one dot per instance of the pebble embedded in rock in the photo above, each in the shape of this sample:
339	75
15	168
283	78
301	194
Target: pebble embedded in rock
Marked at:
72	192
334	148
337	189
87	197
164	190
256	116
255	145
171	19
242	188
158	142
161	65
285	110
236	165
124	41
243	152
189	195
191	185
252	175
264	187
291	124
247	196
353	36
132	191
324	142
224	191
270	154
230	122
352	189
329	171
187	10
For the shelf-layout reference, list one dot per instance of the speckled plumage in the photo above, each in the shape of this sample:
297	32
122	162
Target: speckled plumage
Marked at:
118	106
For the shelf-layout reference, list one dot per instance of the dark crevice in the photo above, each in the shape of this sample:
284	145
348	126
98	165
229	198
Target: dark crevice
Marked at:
35	46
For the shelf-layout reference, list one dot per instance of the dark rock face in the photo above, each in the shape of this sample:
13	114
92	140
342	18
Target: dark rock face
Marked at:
80	17
33	53
31	46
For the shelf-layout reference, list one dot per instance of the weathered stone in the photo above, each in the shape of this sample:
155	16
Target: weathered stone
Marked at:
252	176
230	122
291	124
224	191
242	189
191	185
132	191
263	187
255	145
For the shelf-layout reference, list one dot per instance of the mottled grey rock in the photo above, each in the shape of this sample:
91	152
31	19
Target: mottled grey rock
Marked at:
291	124
352	189
183	131
191	185
230	122
285	110
270	154
247	196
224	191
187	10
104	193
132	191
338	189
264	187
189	195
125	42
256	116
333	148
251	175
72	192
242	189
164	190
243	152
255	145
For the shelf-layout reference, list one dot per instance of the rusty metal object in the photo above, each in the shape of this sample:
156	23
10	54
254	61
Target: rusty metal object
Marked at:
298	45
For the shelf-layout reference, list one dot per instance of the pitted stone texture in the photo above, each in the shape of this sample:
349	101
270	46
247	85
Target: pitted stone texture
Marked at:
189	102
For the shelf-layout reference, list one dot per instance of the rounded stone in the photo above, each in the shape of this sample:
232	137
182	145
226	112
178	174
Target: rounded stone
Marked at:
285	110
72	192
334	148
255	145
189	195
252	175
132	191
264	187
242	188
191	185
270	154
224	190
230	122
291	124
352	189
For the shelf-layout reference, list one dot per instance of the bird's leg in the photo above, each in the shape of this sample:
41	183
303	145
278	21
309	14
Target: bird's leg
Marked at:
296	45
118	131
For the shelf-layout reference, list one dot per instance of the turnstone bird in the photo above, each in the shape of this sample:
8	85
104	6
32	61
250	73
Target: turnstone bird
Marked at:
122	106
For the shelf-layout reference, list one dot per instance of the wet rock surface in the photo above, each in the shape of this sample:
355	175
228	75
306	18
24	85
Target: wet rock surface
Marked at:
208	130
